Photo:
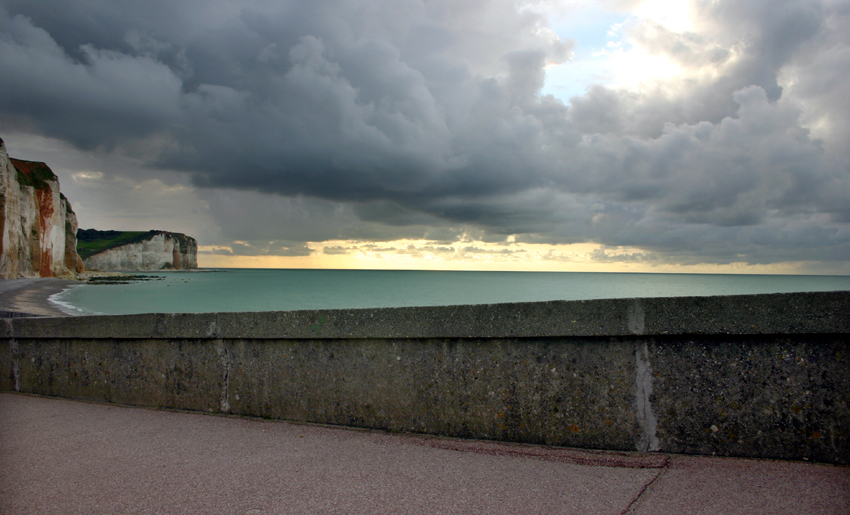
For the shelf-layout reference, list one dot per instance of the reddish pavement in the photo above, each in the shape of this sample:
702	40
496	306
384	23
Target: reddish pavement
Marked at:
65	457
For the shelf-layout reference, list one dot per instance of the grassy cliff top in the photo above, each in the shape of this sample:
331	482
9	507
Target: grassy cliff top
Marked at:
33	173
92	241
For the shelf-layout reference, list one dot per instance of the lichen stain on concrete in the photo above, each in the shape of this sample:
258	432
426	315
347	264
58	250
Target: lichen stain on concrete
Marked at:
646	419
317	327
214	330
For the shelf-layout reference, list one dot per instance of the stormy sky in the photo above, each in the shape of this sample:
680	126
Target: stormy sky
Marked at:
700	135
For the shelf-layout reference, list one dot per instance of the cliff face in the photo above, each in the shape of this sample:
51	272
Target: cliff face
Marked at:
155	250
39	228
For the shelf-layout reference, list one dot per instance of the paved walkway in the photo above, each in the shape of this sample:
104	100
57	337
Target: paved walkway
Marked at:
65	457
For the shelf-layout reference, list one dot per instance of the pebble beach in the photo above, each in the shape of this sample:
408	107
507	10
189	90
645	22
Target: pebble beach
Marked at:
30	295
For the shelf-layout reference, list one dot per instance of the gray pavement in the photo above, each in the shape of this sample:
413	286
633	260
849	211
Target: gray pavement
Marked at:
67	457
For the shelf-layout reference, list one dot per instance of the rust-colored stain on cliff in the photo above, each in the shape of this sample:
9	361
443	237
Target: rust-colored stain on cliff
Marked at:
35	171
45	228
45	211
26	167
38	174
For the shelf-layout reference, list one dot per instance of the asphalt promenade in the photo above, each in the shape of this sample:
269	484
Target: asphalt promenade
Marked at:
65	457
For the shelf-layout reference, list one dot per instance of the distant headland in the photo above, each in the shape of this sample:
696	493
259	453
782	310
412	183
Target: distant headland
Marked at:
136	250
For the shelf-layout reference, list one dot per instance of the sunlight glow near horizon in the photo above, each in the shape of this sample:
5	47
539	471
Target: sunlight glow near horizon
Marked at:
582	257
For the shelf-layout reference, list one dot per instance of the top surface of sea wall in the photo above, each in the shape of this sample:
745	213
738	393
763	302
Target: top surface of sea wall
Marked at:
787	313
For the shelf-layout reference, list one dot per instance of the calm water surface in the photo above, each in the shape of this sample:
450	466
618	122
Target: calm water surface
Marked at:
283	290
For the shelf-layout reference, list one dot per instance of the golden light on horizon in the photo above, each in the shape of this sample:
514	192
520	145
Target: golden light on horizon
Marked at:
478	256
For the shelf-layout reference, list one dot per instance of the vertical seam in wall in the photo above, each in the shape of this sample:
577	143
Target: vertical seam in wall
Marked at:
643	382
16	367
224	357
636	320
646	418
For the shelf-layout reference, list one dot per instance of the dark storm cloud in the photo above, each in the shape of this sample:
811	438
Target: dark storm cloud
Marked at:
383	121
270	248
336	250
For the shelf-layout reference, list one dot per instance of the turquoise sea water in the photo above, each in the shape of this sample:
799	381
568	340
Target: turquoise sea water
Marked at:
283	290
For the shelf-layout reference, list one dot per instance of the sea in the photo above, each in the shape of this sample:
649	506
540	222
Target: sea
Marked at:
219	290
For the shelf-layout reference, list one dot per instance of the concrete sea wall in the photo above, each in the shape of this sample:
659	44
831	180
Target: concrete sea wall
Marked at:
752	376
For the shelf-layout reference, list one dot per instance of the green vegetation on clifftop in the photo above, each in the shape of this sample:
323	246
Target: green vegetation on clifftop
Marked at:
33	173
92	241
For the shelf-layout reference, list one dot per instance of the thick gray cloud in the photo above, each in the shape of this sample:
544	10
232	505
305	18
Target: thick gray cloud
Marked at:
380	121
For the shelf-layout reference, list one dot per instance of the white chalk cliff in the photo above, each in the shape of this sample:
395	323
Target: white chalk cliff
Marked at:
38	228
160	251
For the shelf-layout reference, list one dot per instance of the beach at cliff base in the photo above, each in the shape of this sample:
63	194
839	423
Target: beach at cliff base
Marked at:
31	295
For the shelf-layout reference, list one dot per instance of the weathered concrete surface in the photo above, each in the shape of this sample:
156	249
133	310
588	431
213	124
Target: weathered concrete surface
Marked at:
181	374
8	364
756	376
577	393
786	397
66	458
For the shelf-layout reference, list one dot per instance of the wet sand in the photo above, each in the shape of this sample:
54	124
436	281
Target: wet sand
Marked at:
30	295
